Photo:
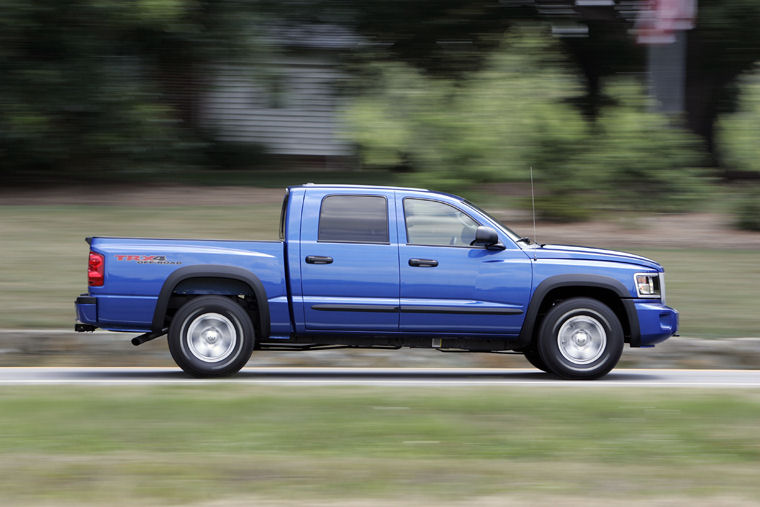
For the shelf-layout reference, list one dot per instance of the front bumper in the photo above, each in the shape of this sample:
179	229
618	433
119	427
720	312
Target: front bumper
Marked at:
657	322
87	310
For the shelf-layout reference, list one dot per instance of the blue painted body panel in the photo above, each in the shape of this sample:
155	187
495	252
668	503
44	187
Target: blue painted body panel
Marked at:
128	296
369	288
657	321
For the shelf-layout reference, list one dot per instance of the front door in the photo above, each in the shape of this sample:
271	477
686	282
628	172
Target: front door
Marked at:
449	286
349	260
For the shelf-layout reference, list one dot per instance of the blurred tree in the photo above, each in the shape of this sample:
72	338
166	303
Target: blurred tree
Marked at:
638	159
736	136
517	112
102	86
451	38
483	128
737	132
445	38
93	87
724	45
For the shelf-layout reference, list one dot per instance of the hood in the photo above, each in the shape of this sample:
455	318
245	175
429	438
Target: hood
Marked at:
589	254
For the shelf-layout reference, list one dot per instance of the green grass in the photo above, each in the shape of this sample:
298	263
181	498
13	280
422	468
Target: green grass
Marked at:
179	444
44	261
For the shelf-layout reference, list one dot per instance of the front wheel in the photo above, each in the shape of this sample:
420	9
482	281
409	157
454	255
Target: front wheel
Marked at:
580	338
211	336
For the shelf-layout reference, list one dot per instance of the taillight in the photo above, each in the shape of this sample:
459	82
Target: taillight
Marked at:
95	268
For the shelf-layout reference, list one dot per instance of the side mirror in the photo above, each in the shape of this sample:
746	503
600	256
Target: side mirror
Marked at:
487	237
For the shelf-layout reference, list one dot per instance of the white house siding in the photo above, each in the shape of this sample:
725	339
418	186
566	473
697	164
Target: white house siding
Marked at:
290	108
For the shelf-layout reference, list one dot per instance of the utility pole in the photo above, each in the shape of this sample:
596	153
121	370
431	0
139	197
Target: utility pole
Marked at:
662	26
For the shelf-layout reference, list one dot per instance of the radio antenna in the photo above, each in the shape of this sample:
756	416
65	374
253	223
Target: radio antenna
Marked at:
533	204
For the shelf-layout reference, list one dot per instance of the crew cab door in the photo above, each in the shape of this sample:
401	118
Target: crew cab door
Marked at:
349	260
449	286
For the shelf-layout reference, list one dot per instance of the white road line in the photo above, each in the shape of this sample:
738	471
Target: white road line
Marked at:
401	377
383	383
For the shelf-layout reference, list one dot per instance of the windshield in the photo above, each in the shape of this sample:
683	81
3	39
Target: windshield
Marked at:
509	232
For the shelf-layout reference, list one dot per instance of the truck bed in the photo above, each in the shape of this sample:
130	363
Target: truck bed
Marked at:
137	268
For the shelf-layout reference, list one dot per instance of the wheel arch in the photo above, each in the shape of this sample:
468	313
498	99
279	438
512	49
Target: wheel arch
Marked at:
602	288
231	277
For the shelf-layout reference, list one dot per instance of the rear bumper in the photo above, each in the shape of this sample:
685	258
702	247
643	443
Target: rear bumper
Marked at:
87	311
657	322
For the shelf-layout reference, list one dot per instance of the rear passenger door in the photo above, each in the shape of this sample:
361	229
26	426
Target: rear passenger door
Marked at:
349	260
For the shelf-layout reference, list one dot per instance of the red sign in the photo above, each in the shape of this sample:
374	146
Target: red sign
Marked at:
660	19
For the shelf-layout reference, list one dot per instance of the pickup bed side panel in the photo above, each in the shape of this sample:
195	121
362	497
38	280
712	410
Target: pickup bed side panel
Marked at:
136	270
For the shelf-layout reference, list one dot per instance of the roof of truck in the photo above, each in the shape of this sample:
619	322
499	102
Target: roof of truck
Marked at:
383	187
339	185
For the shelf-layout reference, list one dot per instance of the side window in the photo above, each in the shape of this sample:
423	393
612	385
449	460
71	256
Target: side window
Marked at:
353	219
436	223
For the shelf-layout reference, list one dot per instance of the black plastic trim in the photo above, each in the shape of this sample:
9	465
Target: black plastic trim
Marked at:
213	271
318	259
633	320
423	263
87	300
459	309
336	307
146	337
579	280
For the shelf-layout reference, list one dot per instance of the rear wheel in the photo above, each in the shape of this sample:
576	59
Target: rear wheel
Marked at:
580	338
211	336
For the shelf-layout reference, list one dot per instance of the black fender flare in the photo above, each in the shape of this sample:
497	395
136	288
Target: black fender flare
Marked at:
579	280
213	271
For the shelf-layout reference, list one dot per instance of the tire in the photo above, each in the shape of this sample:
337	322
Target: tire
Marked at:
211	336
580	339
533	358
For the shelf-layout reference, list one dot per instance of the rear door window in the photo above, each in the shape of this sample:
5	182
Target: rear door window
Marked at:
353	219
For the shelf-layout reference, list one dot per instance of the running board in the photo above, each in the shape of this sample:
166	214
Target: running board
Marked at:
139	340
317	346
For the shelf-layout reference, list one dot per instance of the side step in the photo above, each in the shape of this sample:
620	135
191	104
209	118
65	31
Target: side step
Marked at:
318	346
139	340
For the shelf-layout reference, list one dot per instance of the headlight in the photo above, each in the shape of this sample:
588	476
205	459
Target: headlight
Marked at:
647	285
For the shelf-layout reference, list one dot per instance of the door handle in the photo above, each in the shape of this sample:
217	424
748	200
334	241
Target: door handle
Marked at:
318	259
423	263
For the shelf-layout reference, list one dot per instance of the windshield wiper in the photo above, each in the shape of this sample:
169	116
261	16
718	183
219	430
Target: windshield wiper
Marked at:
525	239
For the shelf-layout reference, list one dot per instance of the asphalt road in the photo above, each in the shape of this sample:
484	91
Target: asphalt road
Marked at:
382	376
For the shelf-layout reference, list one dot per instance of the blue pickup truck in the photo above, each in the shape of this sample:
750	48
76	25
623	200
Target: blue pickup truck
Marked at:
367	266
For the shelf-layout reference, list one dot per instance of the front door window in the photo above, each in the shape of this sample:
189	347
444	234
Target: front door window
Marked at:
437	224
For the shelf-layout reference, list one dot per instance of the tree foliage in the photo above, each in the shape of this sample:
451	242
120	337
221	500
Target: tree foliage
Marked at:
737	132
94	87
518	112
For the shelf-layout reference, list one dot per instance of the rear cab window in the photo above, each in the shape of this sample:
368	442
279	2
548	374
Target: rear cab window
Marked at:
353	219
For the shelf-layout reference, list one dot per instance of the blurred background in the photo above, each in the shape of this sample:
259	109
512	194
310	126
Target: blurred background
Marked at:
185	118
639	119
